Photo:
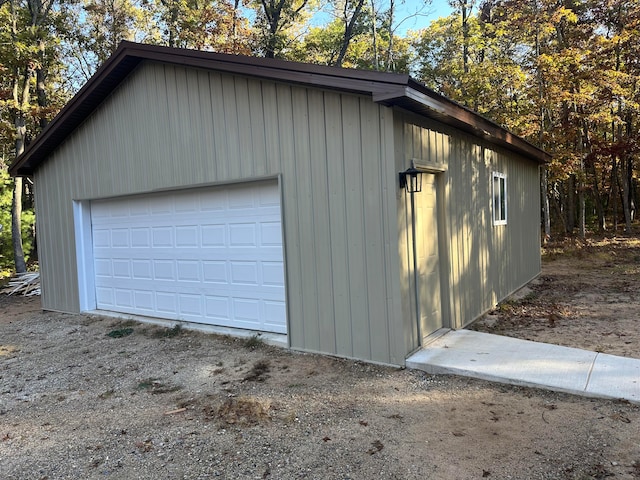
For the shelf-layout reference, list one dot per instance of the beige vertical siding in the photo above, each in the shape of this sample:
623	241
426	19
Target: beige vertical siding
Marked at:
346	222
481	263
169	127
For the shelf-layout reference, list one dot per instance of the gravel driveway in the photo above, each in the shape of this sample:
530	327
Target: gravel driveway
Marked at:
91	398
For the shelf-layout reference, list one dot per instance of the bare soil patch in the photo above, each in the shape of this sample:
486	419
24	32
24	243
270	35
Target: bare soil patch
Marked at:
588	296
92	398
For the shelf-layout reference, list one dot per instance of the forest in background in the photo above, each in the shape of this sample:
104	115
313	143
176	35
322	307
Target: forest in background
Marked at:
563	74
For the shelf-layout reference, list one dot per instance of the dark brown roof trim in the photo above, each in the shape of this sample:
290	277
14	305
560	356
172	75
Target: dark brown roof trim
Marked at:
419	99
387	88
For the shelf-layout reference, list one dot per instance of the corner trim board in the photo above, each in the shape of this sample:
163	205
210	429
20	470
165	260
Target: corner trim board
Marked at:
84	255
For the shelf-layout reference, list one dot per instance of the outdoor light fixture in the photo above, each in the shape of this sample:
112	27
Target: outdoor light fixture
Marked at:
411	180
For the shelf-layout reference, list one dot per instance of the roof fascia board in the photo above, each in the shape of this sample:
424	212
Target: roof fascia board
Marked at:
353	81
385	88
390	97
464	118
290	75
483	127
230	62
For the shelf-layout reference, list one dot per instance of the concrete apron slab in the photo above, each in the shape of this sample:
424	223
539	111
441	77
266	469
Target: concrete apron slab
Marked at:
532	364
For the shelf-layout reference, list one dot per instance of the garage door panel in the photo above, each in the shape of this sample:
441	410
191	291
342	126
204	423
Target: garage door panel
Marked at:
102	267
214	271
164	270
120	238
149	213
270	234
217	307
266	292
162	237
213	235
120	268
123	298
188	271
273	274
248	272
274	311
104	296
140	237
190	304
214	202
187	236
101	238
246	309
144	300
141	269
139	209
268	197
167	304
242	235
187	203
244	273
265	228
161	204
237	198
207	255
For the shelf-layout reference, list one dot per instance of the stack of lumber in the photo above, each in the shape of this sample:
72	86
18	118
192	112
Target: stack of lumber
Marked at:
26	284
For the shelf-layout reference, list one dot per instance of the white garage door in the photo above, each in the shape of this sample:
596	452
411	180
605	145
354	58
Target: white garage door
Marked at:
209	255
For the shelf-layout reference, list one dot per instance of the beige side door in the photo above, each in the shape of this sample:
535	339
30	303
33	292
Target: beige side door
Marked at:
427	256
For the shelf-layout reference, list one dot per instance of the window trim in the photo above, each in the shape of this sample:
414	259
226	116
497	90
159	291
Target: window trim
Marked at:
499	199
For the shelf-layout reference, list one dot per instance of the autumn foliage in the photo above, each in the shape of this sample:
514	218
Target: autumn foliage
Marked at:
563	74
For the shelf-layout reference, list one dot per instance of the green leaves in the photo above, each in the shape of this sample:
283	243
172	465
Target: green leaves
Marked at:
564	75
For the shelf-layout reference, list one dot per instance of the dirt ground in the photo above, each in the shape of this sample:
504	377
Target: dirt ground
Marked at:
91	397
588	296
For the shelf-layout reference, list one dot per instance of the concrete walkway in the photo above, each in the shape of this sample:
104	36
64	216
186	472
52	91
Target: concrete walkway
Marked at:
533	364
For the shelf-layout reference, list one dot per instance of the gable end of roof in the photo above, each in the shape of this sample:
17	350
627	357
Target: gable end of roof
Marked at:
386	88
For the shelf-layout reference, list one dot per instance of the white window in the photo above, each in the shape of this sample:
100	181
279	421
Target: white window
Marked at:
499	198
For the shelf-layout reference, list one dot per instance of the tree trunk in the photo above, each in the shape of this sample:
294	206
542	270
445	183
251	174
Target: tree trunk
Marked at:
614	191
597	198
465	35
376	59
582	228
544	196
626	195
560	211
270	51
234	26
544	186
16	226
20	124
390	49
632	197
348	31
570	200
16	208
41	82
629	175
273	13
583	144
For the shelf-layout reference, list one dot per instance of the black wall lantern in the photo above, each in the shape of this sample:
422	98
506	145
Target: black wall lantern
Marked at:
411	180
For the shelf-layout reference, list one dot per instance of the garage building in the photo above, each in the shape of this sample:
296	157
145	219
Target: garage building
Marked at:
353	212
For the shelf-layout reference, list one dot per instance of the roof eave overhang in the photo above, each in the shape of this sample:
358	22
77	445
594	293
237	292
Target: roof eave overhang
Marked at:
445	111
129	55
385	88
